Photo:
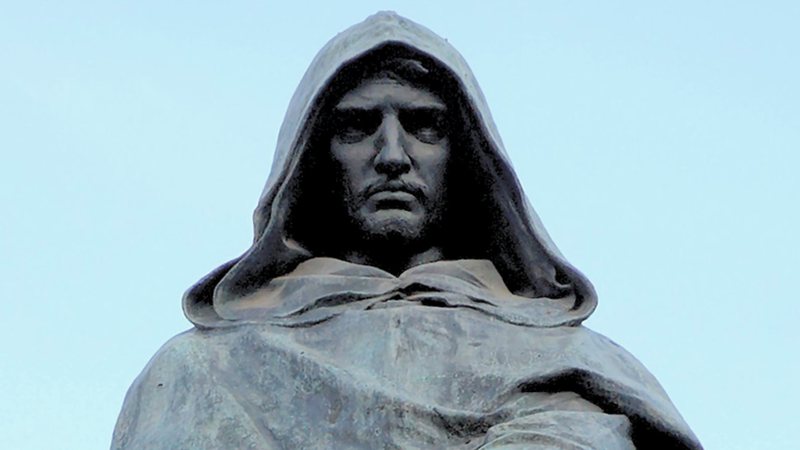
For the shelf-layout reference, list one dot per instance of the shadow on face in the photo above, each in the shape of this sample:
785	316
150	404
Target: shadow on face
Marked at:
390	151
390	167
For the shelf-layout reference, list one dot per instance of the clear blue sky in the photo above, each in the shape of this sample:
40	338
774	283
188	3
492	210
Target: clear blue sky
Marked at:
659	143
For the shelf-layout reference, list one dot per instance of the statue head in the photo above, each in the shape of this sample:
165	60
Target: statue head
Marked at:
389	149
388	156
392	167
381	167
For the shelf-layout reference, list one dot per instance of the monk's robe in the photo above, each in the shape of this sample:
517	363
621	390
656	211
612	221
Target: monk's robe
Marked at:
335	355
293	349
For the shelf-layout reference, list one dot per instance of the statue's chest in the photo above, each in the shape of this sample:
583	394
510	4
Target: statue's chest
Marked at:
455	357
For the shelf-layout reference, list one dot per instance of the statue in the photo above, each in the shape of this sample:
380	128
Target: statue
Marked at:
400	292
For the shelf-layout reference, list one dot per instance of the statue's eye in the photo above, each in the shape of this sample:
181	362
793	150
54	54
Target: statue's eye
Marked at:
354	125
426	124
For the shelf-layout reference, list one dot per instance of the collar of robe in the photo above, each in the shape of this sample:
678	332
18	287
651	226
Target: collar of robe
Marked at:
322	288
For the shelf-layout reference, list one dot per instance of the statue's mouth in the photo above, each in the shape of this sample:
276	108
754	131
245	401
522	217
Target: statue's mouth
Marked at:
415	189
393	200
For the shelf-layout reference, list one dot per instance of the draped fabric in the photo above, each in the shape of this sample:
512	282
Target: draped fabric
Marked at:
345	356
294	350
321	288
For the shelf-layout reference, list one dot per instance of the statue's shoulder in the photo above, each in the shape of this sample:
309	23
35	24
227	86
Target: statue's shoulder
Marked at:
180	386
603	372
602	351
190	350
580	340
186	359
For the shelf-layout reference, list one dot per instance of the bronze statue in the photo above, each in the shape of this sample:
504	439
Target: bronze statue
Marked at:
400	292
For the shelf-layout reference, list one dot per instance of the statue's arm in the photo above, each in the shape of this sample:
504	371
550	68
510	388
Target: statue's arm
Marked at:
559	421
600	397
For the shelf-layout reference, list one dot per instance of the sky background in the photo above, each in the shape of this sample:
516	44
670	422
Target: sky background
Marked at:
658	142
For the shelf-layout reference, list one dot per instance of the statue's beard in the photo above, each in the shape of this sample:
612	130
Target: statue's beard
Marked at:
390	226
393	226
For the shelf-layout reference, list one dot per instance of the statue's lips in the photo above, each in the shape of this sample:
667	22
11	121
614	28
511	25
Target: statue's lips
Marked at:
393	200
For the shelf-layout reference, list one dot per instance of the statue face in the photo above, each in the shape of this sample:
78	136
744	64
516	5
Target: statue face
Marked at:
391	151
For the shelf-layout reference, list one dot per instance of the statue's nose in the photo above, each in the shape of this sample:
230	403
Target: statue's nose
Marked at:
392	158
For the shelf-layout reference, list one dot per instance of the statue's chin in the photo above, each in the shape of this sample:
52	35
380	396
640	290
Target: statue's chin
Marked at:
396	225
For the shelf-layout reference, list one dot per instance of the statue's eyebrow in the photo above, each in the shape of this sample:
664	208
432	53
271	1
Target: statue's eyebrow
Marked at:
348	108
424	106
427	109
433	106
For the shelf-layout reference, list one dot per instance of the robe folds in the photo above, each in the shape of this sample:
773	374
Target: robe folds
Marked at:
294	349
345	356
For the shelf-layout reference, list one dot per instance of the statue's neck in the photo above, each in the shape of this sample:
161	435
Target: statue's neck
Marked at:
394	260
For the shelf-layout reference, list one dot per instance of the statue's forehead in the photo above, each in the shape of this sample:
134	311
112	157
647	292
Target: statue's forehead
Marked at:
385	92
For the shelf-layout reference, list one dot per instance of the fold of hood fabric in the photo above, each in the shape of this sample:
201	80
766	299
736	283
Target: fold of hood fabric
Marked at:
322	288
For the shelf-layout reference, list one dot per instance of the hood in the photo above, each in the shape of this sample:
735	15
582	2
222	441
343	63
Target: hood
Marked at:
520	248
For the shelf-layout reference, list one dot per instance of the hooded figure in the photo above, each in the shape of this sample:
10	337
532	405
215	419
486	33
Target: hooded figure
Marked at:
296	347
